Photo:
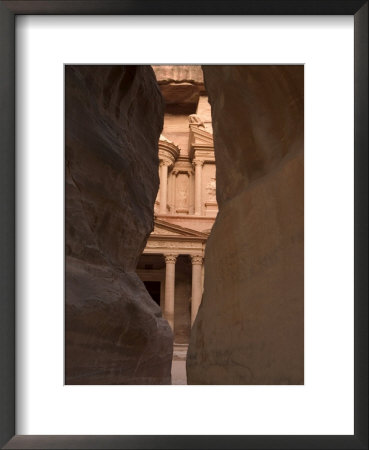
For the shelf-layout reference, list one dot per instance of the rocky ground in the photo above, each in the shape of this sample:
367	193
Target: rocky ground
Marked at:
179	364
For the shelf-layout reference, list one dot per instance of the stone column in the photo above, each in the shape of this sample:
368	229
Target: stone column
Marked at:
163	187
196	285
174	199
170	267
198	175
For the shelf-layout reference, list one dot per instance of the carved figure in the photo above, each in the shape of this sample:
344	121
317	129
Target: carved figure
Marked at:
196	120
211	189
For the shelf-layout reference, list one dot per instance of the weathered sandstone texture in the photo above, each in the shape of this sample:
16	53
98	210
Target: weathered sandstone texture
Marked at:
114	330
179	74
250	325
180	86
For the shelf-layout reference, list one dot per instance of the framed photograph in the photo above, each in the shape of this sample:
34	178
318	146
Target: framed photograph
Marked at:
184	193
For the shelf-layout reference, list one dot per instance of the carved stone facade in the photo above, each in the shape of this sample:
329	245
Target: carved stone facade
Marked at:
185	209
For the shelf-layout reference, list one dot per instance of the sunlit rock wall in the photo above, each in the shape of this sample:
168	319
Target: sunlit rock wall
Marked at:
250	326
114	330
181	87
179	74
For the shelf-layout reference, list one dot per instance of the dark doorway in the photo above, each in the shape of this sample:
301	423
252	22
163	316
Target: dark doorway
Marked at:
153	288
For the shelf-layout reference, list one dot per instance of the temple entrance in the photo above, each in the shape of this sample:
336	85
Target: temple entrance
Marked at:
153	288
182	300
152	271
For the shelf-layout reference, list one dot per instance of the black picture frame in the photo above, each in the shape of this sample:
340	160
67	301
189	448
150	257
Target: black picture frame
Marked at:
8	12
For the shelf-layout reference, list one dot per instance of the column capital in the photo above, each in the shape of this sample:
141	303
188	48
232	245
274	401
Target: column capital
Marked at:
198	162
164	162
170	258
196	259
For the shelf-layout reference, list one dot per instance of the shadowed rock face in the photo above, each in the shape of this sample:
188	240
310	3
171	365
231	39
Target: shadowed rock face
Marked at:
114	330
250	325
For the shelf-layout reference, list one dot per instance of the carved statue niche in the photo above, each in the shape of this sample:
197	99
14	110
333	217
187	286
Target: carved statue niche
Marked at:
182	193
211	190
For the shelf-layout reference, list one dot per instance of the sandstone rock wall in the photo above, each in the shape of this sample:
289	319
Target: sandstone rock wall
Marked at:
180	86
179	74
250	325
114	330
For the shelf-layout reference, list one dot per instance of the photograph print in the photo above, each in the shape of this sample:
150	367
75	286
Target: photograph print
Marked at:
184	224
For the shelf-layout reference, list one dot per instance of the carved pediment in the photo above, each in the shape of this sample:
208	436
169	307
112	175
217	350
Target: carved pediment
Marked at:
200	140
164	232
163	228
199	135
